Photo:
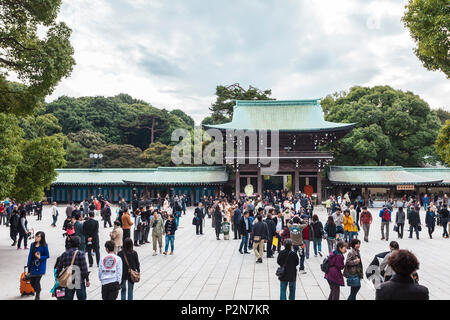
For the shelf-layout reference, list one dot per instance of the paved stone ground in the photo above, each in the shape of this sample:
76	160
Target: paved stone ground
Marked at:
204	268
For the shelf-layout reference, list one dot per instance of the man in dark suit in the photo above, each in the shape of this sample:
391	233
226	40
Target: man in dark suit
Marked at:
90	229
235	220
402	286
414	222
106	215
245	227
199	214
271	233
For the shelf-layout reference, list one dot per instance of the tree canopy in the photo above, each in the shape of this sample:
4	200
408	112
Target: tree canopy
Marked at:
443	143
393	127
429	25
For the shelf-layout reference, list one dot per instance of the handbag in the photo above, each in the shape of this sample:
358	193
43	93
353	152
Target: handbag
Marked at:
65	276
396	228
134	275
194	221
419	228
353	281
282	269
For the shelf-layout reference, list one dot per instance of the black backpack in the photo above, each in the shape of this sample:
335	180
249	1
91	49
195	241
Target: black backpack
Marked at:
325	266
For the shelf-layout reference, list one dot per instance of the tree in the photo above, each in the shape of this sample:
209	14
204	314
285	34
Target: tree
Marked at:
443	115
41	156
38	63
88	139
442	144
157	155
393	127
120	156
222	109
429	25
183	116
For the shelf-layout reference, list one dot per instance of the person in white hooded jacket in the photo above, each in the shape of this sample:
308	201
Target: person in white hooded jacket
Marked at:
110	273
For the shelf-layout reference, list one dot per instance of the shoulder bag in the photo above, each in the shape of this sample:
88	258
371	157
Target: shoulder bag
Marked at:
134	275
282	269
65	276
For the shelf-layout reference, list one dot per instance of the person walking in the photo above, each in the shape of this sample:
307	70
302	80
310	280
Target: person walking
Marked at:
217	217
330	231
400	221
157	231
106	213
237	214
23	230
296	236
444	214
336	265
288	260
78	227
37	262
55	214
318	233
38	210
79	260
279	227
169	229
259	237
199	214
117	236
271	229
385	216
353	270
126	224
308	235
138	227
348	225
430	220
14	221
245	227
130	260
402	285
414	222
110	272
90	230
385	270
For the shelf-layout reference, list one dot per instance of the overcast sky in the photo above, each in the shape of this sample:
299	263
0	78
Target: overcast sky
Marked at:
173	53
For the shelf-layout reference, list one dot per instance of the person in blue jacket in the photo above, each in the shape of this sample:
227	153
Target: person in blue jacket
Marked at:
37	262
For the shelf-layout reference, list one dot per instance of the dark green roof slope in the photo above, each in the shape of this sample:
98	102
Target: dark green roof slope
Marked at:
285	116
368	175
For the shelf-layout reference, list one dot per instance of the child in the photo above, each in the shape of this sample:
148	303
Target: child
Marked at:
226	229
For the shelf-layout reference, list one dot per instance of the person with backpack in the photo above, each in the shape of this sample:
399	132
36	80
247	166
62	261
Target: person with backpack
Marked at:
110	273
75	257
353	270
296	235
400	222
330	231
130	260
333	266
288	261
37	262
385	216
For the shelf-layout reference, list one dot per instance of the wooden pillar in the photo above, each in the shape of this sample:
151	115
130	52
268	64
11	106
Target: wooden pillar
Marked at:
192	196
238	184
111	199
417	193
259	182
366	196
319	188
296	181
69	194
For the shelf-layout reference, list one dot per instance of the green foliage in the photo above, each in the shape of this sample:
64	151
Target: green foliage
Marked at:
183	116
222	109
442	144
429	25
88	139
393	127
41	156
40	126
443	115
157	155
120	156
38	63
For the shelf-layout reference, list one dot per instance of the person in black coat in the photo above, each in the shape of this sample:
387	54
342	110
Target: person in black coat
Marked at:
237	214
271	233
245	227
217	220
106	216
199	214
131	262
90	230
402	285
260	231
414	222
289	260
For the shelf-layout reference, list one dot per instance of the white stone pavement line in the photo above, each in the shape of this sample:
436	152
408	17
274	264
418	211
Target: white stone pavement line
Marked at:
227	267
239	275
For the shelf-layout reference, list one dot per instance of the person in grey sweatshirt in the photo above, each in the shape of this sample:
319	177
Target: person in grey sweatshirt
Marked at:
400	221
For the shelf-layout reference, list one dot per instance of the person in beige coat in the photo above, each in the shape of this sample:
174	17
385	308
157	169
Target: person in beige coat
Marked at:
157	231
116	235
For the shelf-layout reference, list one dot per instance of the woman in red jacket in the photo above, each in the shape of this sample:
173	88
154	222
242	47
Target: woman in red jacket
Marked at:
334	275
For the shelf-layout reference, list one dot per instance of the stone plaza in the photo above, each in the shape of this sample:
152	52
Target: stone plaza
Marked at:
203	268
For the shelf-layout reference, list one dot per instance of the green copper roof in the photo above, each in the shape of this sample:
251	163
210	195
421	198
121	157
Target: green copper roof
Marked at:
366	175
285	116
432	173
154	176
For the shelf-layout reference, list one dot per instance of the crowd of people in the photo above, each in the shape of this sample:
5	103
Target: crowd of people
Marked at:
275	223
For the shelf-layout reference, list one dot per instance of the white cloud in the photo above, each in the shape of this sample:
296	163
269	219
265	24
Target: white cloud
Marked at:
174	53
